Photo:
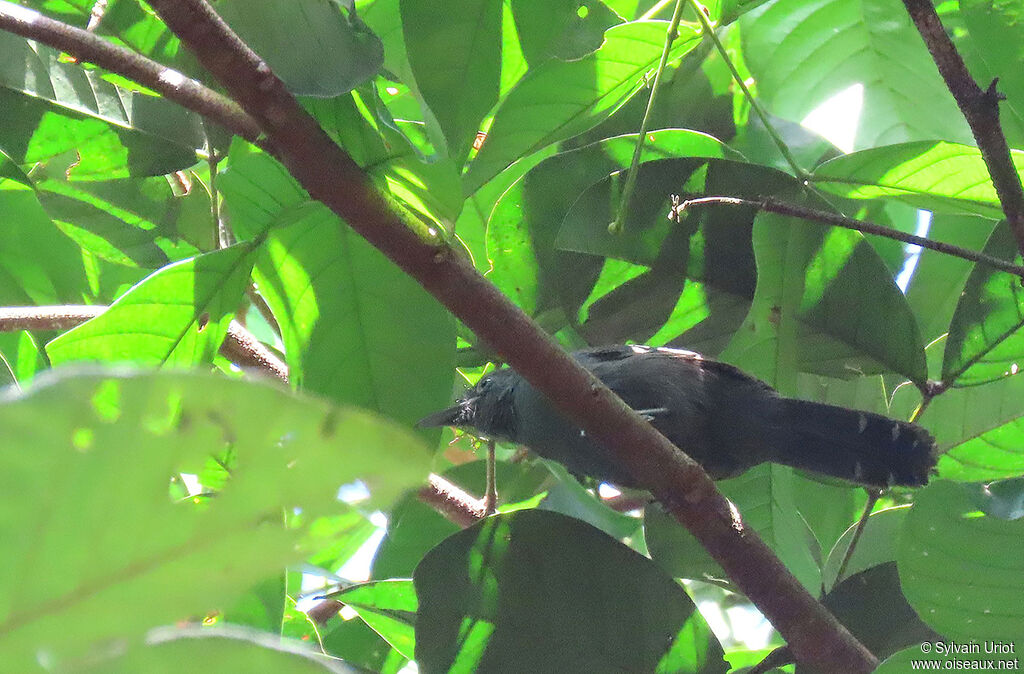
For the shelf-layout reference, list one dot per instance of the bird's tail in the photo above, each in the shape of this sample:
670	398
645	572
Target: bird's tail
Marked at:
861	447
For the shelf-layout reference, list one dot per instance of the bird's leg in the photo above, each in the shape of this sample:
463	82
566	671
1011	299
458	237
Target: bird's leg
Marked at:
491	492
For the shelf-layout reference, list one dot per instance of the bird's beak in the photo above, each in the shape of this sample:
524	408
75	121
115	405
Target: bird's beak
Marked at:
456	415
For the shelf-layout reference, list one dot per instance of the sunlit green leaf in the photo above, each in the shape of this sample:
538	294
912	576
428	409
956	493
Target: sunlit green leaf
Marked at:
962	569
454	49
346	312
178	315
334	55
804	52
48	102
933	175
985	341
562	98
70	578
389	607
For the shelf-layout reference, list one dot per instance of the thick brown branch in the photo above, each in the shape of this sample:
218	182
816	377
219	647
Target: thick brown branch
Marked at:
332	177
836	220
981	110
87	47
240	346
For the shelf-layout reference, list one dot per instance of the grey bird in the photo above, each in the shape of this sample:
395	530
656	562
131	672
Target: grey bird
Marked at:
723	418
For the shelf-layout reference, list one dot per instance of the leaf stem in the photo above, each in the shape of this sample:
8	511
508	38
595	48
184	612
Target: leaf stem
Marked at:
627	193
758	110
653	11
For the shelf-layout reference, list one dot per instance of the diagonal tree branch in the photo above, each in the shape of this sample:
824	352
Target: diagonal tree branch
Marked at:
979	107
329	175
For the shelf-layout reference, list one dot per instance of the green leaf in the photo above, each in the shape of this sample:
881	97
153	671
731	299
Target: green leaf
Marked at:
560	99
877	545
389	607
142	30
384	18
827	508
871	605
562	29
824	303
346	312
354	642
21	358
985	341
1003	499
937	176
262	607
979	430
414	527
569	497
38	264
961	569
801	53
522	230
48	104
130	222
764	497
995	35
177	315
486	600
471	226
938	280
334	54
94	547
454	50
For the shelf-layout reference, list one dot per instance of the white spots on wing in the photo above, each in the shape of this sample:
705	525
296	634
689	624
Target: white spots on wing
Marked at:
862	422
895	432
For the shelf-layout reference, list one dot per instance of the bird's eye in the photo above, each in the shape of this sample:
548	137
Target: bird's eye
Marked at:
483	384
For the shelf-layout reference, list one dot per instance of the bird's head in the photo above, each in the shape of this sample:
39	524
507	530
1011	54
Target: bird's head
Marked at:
487	407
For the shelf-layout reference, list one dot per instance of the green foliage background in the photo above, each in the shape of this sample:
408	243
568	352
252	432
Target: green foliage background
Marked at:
137	500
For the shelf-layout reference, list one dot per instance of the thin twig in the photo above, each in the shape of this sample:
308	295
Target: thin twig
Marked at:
980	107
709	30
239	346
634	165
772	206
653	11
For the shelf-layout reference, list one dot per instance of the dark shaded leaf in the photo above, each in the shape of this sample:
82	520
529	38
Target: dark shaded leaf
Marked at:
487	598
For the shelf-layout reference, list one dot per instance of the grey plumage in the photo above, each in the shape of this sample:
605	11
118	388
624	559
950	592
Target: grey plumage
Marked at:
725	419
